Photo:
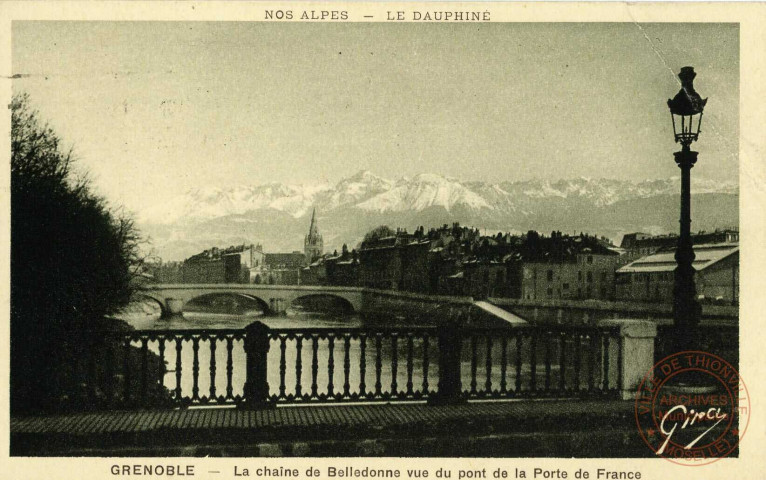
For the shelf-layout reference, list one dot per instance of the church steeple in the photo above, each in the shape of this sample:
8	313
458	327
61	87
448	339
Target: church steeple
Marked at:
313	231
313	244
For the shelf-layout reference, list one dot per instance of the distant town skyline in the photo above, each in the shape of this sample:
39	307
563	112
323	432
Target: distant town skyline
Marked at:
154	109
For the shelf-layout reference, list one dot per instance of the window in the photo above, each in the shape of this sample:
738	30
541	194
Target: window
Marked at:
549	275
590	258
579	276
550	292
590	277
566	286
603	277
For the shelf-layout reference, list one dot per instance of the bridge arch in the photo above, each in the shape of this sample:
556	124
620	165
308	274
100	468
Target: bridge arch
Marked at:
345	303
263	304
141	295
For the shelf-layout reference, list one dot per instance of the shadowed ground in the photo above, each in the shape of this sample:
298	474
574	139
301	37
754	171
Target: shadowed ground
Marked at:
508	429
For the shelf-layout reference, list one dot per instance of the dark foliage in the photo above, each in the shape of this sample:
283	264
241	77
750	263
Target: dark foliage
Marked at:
72	261
377	233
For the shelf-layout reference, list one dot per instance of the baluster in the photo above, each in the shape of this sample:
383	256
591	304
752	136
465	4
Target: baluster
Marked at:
179	346
592	358
378	364
213	340
229	366
425	364
144	368
394	364
473	364
330	366
362	364
606	364
314	365
562	359
503	364
109	371
488	364
410	348
346	365
163	368
548	341
126	373
298	366
533	362
282	366
578	361
195	368
517	386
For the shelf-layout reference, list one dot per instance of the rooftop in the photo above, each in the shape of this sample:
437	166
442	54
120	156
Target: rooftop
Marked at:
664	261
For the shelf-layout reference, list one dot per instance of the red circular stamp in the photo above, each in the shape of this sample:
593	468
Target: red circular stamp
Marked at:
692	408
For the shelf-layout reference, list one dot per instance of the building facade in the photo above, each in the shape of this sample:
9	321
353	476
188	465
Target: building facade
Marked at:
641	244
459	261
589	276
651	278
338	269
381	264
281	268
220	269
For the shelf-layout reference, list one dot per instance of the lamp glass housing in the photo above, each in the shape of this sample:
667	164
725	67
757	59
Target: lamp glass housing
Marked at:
686	128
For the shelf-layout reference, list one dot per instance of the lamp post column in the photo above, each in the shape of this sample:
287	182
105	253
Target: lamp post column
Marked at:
686	112
686	309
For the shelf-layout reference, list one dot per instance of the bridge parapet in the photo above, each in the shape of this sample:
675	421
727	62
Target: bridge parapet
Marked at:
590	312
523	362
274	299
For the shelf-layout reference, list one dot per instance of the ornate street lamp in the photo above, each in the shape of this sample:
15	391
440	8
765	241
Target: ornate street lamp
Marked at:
686	112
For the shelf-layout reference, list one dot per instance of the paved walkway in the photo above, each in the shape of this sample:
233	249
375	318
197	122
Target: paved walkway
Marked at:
307	430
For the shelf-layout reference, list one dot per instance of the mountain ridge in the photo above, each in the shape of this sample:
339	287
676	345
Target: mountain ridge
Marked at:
274	214
373	193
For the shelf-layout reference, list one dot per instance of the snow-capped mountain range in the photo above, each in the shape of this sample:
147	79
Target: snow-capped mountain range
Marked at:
371	193
274	214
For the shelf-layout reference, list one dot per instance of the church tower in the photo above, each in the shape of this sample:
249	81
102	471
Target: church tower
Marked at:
313	245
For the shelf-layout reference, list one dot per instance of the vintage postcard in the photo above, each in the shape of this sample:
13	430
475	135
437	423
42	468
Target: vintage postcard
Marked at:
383	240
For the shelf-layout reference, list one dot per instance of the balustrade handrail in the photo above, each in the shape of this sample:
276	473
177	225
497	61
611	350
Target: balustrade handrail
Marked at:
542	327
178	332
351	330
382	328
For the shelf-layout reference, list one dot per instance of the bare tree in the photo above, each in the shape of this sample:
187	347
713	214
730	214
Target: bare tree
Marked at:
73	260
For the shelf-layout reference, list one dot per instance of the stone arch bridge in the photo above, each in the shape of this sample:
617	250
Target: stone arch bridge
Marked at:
274	299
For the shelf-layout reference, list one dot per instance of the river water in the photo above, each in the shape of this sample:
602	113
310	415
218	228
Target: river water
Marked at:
293	319
394	355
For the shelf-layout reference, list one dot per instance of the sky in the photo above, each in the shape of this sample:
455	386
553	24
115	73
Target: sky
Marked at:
154	109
